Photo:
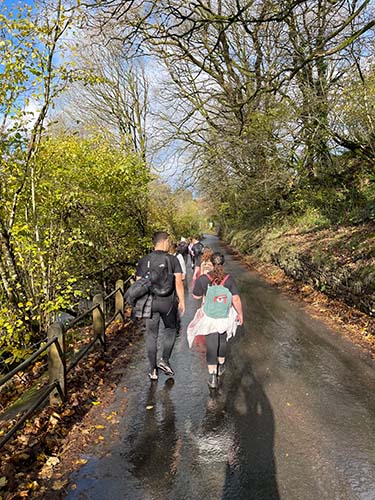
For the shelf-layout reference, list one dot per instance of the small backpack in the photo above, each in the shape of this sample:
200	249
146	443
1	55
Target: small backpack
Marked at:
182	248
160	274
218	300
198	248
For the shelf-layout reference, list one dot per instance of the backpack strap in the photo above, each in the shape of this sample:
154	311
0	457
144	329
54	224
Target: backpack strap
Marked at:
210	278
224	280
169	265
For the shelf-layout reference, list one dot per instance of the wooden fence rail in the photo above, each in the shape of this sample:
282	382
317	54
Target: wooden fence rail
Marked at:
58	367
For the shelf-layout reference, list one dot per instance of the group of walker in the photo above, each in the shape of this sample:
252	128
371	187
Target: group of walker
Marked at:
160	278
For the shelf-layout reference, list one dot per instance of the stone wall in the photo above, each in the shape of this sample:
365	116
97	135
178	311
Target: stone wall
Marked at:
354	285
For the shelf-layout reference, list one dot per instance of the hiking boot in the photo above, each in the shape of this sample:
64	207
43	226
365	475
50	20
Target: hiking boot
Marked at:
165	366
221	369
153	375
212	380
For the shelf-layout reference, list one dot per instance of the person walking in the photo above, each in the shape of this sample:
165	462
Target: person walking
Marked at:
173	250
183	249
197	250
205	264
168	301
218	317
190	252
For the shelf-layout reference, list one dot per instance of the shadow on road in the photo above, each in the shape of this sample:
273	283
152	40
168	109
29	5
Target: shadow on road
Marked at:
153	451
251	468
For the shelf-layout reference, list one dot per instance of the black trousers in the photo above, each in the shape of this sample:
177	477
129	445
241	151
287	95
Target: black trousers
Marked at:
216	347
169	316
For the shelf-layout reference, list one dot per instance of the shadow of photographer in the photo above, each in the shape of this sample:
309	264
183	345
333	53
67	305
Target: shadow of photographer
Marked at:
251	468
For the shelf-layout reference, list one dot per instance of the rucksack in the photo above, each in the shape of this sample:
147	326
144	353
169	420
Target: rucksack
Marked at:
160	274
198	248
218	300
182	248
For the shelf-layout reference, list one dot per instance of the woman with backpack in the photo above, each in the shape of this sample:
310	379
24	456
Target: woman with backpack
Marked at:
218	317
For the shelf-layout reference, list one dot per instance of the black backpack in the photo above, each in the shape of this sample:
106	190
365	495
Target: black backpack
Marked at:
182	248
198	248
160	274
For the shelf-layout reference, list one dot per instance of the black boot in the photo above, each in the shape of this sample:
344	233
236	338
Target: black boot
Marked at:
221	369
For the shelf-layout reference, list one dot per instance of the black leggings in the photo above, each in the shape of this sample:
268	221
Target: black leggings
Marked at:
216	344
152	333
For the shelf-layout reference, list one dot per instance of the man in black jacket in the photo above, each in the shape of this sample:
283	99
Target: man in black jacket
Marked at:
168	300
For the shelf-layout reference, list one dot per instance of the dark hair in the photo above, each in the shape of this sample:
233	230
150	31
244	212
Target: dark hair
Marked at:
218	273
172	248
159	236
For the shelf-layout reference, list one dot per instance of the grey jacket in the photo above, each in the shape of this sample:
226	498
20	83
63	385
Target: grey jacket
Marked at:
143	307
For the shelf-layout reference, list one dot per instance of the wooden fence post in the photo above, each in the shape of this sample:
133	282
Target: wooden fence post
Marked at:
98	319
56	362
119	299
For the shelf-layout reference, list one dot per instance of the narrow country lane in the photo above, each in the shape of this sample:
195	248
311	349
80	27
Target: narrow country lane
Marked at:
294	418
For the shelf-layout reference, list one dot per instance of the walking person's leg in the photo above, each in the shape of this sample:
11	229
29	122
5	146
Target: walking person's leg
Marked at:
221	353
152	333
212	349
170	320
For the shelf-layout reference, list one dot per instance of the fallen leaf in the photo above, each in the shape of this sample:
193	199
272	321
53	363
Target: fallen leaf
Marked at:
41	457
3	481
81	461
99	427
34	485
53	421
95	403
150	407
53	461
59	485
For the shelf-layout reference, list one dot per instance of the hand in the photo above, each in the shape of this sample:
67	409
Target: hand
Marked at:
181	308
239	319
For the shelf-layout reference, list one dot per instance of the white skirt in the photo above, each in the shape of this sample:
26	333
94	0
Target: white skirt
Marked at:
203	325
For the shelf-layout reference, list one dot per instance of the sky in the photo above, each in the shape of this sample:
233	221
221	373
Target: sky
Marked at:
168	162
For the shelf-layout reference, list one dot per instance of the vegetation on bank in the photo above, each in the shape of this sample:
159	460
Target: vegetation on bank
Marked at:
97	206
338	261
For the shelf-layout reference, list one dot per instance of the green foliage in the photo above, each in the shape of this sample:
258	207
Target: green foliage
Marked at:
92	212
14	336
175	211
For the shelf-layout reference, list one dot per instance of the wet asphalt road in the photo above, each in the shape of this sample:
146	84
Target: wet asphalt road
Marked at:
294	418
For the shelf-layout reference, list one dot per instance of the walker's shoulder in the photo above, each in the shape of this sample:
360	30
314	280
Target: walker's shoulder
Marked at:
144	259
172	258
203	278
